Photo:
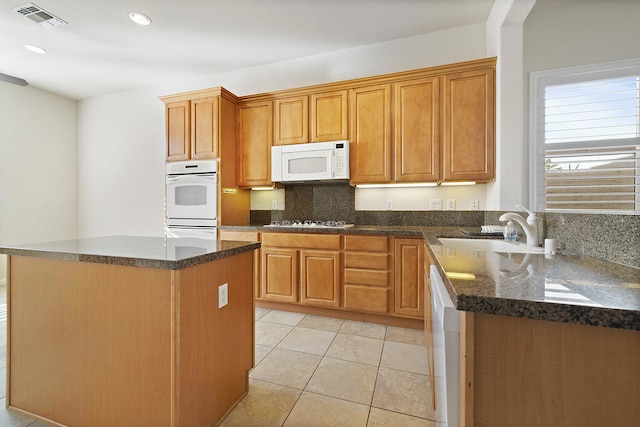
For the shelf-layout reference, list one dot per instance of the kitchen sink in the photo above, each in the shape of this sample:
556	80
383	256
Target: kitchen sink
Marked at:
488	245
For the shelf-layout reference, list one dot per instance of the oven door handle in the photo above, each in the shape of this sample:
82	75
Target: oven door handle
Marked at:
173	179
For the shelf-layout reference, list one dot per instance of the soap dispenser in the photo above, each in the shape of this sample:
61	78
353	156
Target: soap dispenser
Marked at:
510	233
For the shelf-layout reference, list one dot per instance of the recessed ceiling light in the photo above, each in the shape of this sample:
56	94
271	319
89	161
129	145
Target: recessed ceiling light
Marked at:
139	18
34	48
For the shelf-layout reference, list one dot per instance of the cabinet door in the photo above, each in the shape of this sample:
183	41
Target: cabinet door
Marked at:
178	127
255	127
291	120
371	134
320	278
416	136
409	285
329	120
204	127
469	126
279	274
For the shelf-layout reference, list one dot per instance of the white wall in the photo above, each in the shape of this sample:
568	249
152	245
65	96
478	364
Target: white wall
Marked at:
121	136
568	33
38	167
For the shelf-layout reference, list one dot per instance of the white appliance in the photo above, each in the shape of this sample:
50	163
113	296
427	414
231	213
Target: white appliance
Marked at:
318	161
192	194
446	349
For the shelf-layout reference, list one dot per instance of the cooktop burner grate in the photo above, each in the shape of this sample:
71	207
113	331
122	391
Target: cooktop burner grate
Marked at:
309	224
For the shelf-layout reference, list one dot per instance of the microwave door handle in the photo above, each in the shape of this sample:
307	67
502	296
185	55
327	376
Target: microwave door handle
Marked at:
333	164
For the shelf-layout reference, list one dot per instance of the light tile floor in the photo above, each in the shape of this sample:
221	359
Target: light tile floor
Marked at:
317	371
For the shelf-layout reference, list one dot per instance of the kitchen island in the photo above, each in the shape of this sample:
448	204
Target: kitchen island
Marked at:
127	331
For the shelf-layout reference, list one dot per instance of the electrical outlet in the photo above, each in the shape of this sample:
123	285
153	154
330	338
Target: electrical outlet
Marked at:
435	204
451	204
389	204
475	204
274	204
223	295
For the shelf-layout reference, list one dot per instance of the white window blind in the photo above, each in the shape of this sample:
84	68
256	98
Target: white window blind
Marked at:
587	140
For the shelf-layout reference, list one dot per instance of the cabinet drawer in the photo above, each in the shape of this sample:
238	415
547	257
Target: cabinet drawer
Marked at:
241	236
300	240
366	298
371	261
366	277
366	243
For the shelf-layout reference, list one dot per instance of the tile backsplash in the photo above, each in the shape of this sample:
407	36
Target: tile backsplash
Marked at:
613	238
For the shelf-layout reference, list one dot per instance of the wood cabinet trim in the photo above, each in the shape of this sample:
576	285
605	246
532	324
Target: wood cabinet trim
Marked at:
374	80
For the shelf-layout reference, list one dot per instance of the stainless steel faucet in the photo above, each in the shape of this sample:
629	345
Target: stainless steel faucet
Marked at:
530	225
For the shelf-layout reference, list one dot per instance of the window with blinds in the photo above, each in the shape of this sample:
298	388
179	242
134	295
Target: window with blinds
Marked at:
588	141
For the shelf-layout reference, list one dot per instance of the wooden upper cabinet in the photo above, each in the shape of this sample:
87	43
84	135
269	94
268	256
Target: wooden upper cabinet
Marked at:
370	134
329	120
199	124
205	127
255	136
178	130
468	129
417	126
291	120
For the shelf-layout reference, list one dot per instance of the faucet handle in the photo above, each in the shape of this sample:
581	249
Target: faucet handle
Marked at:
532	215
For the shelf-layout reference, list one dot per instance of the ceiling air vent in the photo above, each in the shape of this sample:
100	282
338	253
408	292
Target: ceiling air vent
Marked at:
39	15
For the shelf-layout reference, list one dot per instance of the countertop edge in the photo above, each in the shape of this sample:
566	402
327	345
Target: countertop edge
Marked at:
134	261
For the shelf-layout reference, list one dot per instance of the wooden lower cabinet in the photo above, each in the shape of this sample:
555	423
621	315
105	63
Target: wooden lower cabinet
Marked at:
320	278
380	275
301	268
280	274
367	274
409	280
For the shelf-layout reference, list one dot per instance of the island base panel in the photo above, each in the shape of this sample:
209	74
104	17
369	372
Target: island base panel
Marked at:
108	345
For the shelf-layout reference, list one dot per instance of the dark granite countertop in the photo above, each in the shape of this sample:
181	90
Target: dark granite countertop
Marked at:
561	288
135	251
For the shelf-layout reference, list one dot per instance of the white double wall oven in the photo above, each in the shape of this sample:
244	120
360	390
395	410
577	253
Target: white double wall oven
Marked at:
192	199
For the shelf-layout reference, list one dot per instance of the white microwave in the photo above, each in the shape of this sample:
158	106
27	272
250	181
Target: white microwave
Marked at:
317	161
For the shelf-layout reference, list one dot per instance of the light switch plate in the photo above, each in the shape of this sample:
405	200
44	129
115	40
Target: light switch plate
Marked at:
435	204
223	295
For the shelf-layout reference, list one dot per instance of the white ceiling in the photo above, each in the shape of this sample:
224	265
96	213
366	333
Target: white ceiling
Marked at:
101	51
